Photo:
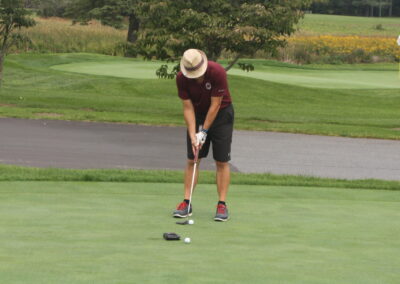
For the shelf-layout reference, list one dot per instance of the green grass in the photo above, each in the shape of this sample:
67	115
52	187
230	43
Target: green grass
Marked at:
314	24
16	173
352	77
54	232
346	78
122	68
33	89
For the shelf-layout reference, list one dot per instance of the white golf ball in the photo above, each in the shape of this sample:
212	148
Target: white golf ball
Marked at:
187	240
190	222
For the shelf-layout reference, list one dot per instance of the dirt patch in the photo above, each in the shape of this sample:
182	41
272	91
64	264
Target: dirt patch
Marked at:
48	114
398	129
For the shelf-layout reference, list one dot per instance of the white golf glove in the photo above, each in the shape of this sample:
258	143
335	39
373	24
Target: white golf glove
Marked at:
201	138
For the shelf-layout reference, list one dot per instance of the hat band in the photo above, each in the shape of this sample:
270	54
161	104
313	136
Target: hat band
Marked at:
194	68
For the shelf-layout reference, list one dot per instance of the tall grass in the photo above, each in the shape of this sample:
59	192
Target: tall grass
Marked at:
56	35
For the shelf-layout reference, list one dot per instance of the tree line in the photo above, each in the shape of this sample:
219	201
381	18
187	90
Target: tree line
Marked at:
367	8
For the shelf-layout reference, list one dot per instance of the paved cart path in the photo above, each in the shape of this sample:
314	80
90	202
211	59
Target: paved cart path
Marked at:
71	144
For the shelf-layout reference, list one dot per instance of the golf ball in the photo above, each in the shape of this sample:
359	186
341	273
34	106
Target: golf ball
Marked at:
190	222
187	240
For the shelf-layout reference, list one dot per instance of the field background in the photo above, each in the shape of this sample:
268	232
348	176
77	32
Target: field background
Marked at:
344	40
106	226
319	98
314	24
290	102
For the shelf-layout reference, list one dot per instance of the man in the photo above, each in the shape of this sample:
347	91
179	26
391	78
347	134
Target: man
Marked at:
208	113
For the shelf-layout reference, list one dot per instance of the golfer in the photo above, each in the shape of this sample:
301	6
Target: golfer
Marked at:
208	113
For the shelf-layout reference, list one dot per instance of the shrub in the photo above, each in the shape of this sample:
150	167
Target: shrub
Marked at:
344	49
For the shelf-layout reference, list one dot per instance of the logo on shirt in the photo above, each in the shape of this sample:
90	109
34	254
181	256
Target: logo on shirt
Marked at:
208	86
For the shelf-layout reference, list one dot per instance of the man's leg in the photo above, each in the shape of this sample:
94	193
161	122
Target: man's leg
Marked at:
223	177
221	134
188	177
183	209
187	183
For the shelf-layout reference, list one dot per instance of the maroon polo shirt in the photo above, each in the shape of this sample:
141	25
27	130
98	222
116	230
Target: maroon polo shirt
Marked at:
214	84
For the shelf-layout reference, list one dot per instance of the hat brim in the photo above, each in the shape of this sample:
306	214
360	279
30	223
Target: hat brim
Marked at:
197	73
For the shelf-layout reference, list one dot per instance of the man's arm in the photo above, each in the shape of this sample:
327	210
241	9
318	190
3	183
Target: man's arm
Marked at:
190	119
212	112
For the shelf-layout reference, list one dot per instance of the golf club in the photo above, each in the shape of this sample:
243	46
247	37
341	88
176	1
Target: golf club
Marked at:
196	159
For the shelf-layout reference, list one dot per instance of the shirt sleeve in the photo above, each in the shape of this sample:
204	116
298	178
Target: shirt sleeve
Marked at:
220	83
180	83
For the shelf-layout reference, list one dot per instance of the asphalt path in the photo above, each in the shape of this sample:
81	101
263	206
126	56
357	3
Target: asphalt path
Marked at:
82	145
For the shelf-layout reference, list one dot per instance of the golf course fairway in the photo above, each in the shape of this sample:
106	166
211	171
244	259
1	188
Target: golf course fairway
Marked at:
338	101
305	77
88	232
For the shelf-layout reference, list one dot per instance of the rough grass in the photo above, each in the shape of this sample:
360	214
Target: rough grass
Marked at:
15	173
54	35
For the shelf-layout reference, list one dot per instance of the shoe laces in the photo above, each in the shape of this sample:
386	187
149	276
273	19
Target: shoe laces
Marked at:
221	209
182	206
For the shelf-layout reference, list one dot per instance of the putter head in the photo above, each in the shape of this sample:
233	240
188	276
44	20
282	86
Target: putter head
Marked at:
171	237
183	222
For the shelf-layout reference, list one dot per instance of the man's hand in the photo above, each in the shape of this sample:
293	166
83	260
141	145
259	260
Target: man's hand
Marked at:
201	138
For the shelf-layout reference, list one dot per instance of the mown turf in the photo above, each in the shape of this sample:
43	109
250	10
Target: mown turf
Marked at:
315	24
15	173
54	232
352	78
33	90
122	68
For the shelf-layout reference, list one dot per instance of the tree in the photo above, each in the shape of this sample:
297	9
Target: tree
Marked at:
109	12
369	6
356	7
339	7
32	4
52	8
241	27
13	16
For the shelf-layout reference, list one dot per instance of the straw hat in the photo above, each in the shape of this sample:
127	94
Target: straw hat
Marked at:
194	63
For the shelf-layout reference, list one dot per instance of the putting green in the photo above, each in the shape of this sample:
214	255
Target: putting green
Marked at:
116	68
69	232
331	79
315	78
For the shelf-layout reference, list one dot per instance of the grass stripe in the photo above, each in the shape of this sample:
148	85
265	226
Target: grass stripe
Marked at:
16	173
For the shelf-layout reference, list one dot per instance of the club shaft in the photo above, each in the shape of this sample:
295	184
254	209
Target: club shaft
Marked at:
191	188
193	178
